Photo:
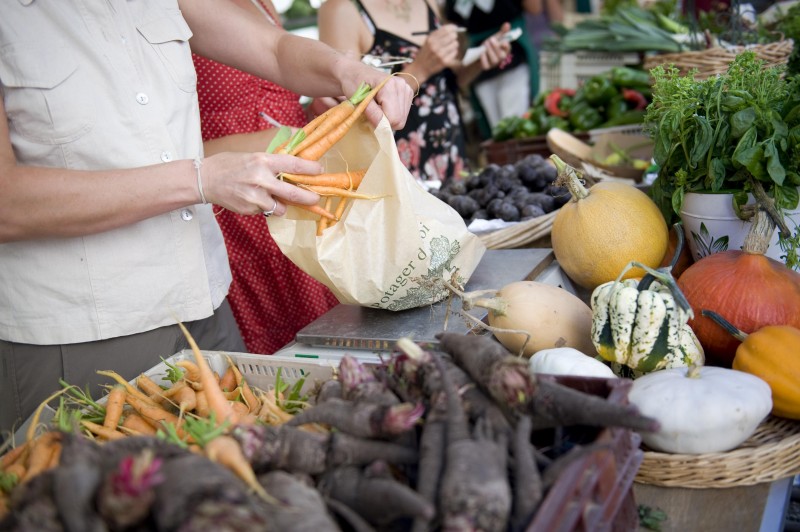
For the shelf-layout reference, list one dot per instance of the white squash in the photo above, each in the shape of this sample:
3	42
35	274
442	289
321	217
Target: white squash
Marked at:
568	361
701	409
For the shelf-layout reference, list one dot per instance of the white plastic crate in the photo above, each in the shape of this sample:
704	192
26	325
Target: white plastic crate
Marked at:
569	70
260	371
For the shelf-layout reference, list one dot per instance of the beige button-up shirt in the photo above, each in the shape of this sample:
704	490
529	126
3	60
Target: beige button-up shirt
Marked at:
102	84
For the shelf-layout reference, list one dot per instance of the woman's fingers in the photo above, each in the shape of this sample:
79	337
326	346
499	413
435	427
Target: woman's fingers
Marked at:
393	101
247	183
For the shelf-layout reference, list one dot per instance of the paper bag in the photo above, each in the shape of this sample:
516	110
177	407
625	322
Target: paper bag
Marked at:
387	253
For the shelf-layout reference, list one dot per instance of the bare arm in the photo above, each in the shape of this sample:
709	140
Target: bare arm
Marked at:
245	142
50	202
224	32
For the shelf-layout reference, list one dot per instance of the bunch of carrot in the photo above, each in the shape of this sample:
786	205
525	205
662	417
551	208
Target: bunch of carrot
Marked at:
195	410
313	140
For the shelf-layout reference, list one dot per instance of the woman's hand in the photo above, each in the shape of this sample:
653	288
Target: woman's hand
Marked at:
441	50
495	51
246	183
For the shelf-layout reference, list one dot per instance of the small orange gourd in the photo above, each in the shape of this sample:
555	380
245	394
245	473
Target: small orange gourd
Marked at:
604	228
772	353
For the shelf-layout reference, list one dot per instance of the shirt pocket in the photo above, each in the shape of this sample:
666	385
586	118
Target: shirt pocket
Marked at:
47	101
169	36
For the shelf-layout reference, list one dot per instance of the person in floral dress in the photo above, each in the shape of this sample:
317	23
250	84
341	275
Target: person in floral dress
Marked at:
432	144
271	298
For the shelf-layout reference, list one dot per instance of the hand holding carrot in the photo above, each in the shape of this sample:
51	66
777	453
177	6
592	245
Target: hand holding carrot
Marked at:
247	183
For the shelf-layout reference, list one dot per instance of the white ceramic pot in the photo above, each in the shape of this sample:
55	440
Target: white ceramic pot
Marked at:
711	225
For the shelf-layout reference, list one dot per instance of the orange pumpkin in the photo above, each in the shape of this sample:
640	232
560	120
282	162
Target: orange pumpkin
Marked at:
750	289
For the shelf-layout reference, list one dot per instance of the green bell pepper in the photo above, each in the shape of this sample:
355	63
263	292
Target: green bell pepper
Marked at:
630	77
598	90
583	117
615	107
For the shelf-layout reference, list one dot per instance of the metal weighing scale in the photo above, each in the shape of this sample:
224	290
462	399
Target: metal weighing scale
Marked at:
371	331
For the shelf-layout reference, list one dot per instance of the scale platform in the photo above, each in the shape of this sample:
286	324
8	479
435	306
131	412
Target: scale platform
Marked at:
356	327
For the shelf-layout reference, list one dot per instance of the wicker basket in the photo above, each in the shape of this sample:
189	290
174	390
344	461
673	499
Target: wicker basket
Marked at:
770	454
715	60
521	234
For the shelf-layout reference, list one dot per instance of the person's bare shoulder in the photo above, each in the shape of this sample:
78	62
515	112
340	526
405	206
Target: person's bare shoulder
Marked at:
336	20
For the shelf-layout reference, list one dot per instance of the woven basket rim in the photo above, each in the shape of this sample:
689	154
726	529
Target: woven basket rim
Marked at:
771	453
715	60
519	234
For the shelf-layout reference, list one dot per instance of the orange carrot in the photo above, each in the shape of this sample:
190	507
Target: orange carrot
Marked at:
115	402
132	390
315	209
336	115
186	399
348	179
136	424
250	399
218	405
150	388
55	455
316	150
13	455
192	371
323	222
102	432
340	192
39	456
307	129
228	380
152	413
202	404
239	408
226	451
340	207
233	395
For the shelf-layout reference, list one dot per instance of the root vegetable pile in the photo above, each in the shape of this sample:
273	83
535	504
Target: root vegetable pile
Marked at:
459	438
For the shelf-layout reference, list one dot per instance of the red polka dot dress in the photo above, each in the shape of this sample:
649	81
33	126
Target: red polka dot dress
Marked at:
271	298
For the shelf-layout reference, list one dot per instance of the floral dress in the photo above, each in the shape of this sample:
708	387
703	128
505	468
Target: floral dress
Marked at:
271	298
432	145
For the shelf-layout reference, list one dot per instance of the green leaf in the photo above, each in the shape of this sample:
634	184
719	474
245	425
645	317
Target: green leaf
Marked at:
787	197
283	134
677	199
747	141
702	140
716	173
774	166
742	121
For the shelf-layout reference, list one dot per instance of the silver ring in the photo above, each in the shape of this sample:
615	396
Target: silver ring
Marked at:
270	212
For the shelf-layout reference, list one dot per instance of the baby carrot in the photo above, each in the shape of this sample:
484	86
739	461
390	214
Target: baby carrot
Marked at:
226	451
202	405
217	403
348	180
315	209
192	371
333	117
13	455
152	413
115	402
39	456
136	425
250	399
316	150
132	390
228	380
323	222
103	432
149	387
341	192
